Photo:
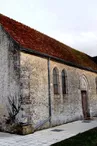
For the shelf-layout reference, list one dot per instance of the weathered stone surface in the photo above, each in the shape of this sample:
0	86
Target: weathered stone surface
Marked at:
26	76
9	75
65	108
34	79
24	129
70	106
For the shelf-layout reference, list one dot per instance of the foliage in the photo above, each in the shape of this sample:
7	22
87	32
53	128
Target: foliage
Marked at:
88	138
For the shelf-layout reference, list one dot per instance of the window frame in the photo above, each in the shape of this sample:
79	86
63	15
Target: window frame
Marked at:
55	81
96	84
63	78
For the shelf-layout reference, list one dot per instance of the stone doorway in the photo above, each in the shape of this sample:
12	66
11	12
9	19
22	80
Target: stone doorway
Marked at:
85	109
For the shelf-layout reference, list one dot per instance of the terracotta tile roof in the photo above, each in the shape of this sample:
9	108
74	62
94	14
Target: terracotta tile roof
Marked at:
32	39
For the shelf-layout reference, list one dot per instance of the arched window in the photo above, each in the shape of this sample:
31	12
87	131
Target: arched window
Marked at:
56	81
96	84
63	82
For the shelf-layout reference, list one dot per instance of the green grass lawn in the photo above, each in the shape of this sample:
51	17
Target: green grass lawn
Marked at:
88	138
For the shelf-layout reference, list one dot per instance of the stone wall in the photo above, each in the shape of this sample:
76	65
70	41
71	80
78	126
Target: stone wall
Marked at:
27	75
65	108
9	75
69	106
4	43
34	88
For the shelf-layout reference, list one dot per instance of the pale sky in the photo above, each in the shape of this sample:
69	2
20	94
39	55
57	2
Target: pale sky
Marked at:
73	22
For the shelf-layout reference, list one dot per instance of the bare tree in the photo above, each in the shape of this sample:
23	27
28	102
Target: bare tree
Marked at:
13	108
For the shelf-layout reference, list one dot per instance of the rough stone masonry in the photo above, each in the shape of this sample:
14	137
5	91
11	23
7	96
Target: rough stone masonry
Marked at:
27	98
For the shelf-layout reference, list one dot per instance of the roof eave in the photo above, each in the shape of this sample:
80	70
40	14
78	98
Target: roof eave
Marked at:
30	51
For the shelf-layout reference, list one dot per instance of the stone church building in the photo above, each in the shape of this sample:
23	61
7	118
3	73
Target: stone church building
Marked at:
43	82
